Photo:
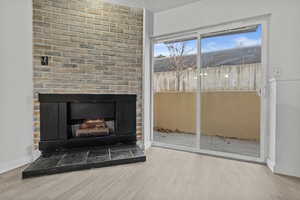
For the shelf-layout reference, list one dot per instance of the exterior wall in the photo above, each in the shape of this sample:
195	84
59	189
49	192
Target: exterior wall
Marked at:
226	114
93	47
175	111
231	114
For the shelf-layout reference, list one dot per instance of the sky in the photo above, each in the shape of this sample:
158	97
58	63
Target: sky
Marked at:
217	43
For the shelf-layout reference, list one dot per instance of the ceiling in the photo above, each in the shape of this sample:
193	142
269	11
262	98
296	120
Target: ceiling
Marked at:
154	5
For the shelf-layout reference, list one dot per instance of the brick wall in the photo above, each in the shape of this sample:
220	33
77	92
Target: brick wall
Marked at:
93	47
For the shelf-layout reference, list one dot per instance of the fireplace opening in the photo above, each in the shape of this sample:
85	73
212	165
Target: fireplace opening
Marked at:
92	127
91	119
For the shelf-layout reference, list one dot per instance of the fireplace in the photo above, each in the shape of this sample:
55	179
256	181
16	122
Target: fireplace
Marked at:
78	120
84	131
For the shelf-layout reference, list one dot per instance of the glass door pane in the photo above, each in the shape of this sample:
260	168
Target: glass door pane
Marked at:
230	84
174	92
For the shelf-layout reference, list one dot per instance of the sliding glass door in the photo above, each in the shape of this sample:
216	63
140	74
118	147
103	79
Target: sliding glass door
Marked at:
174	86
207	91
230	91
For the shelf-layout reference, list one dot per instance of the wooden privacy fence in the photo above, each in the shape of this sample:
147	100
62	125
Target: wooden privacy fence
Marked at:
246	77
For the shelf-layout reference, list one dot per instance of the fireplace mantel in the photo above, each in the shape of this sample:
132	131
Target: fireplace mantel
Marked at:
64	98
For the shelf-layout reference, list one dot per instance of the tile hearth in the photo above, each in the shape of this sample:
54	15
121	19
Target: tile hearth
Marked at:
84	158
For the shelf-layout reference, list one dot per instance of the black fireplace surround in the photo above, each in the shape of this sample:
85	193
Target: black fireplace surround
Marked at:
104	127
59	112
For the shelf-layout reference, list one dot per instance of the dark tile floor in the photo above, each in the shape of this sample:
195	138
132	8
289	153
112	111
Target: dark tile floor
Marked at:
84	158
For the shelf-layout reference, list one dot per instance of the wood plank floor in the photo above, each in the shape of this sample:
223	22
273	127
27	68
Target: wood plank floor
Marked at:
167	174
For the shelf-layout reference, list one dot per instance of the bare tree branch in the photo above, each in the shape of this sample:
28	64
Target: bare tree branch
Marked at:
177	51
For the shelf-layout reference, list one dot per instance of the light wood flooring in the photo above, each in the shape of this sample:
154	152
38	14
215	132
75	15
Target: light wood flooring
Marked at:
167	174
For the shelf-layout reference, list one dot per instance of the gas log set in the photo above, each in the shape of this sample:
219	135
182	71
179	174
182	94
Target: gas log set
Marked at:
91	127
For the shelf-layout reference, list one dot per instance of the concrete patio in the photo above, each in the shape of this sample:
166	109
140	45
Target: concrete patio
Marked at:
214	143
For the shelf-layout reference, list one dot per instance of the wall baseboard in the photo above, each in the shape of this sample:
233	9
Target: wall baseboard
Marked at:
5	167
284	172
19	162
147	145
35	155
271	165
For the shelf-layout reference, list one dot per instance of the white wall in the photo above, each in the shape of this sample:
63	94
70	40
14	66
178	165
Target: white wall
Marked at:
152	5
148	31
288	128
16	139
284	46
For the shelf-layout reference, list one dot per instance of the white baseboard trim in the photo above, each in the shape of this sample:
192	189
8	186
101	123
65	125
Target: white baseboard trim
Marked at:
35	155
5	167
287	172
147	145
271	165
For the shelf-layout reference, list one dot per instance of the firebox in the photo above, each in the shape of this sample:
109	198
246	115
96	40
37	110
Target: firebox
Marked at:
76	120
